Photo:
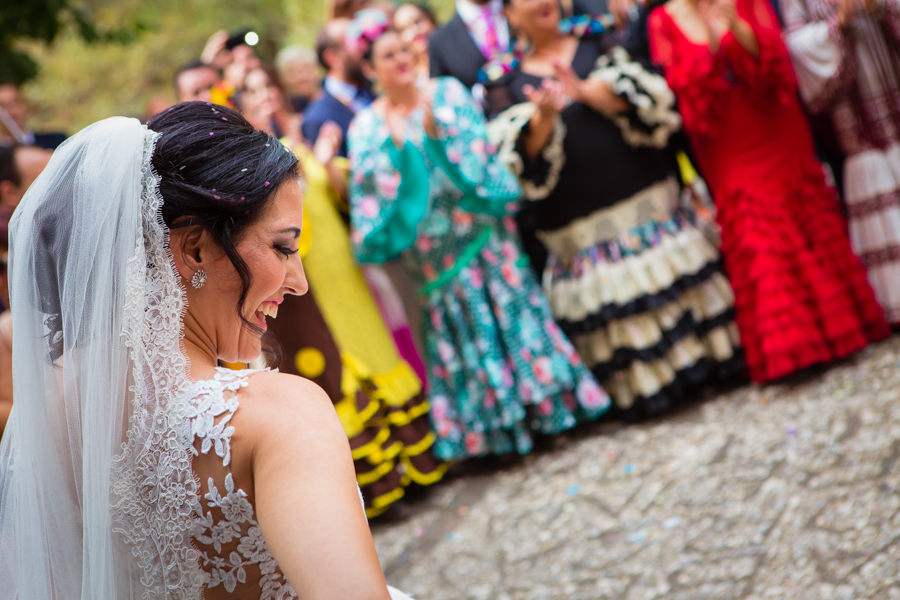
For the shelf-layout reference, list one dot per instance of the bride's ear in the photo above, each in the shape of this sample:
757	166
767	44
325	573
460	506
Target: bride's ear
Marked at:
191	250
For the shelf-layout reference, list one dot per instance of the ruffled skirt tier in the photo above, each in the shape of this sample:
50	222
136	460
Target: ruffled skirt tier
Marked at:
801	294
644	301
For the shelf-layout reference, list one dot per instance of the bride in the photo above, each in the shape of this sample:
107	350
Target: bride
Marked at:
133	466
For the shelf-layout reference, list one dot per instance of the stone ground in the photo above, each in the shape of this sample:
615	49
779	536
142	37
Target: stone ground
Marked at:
785	491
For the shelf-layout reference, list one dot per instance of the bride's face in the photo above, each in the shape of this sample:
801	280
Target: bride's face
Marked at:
269	247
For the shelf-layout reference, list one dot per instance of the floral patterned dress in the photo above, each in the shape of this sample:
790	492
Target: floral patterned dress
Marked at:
499	366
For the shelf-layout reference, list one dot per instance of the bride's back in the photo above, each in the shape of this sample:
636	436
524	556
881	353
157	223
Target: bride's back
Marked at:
278	432
133	467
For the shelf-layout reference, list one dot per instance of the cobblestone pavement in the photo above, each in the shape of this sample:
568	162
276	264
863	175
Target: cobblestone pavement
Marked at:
785	491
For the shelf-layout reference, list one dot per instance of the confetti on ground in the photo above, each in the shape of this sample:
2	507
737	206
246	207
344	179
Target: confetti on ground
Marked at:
671	522
725	504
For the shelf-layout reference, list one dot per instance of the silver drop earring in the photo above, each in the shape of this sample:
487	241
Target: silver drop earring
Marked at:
198	279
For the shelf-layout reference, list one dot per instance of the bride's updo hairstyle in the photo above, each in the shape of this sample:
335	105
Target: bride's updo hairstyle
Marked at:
219	172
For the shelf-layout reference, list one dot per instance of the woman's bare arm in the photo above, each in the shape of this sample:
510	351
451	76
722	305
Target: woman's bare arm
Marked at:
306	497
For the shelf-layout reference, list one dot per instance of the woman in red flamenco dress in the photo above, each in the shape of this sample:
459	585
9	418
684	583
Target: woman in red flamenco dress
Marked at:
801	295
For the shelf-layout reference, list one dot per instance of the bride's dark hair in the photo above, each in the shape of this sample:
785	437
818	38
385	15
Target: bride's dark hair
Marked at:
219	172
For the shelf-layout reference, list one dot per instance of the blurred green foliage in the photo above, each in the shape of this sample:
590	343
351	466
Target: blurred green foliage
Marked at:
79	82
42	21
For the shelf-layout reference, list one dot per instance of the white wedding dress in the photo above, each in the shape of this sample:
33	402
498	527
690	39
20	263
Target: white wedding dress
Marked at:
233	553
115	479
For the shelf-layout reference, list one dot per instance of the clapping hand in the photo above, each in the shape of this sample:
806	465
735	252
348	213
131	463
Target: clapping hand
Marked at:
571	83
720	15
328	143
550	98
215	53
428	121
395	117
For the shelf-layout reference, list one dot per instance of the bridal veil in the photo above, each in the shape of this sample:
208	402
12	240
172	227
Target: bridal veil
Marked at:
96	485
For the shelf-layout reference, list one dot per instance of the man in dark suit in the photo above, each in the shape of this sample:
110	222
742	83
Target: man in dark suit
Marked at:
12	123
477	33
343	93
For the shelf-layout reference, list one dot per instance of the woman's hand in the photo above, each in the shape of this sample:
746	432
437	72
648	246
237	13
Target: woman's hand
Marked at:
720	16
326	148
571	83
395	117
550	98
215	53
328	143
428	121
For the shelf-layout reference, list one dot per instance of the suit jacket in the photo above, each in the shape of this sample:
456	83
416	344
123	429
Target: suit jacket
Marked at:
452	51
321	110
50	141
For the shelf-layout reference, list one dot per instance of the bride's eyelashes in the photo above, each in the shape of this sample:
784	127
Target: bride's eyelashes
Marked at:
286	251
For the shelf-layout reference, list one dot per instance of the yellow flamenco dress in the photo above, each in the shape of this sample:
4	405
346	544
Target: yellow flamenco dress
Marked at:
335	336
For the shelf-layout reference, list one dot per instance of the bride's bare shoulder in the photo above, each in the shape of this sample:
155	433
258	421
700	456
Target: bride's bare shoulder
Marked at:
276	402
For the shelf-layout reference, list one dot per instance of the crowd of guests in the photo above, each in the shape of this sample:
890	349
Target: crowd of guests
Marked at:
546	212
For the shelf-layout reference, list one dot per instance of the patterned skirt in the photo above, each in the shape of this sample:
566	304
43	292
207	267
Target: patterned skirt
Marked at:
639	290
500	369
872	192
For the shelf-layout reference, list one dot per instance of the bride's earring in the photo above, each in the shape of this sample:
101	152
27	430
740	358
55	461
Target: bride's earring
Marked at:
198	279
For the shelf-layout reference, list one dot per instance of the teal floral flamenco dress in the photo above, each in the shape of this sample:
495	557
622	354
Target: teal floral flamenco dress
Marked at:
500	369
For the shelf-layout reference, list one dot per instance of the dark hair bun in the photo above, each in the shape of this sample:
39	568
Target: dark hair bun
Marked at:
217	172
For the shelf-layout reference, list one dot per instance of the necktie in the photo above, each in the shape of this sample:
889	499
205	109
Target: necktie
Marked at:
490	33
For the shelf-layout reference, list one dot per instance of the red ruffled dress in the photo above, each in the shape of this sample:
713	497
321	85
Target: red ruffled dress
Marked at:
801	295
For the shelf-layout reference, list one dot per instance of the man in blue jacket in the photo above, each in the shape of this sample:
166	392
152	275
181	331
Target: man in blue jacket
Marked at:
344	92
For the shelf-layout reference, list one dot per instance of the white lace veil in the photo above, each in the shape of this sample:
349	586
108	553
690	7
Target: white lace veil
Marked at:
96	486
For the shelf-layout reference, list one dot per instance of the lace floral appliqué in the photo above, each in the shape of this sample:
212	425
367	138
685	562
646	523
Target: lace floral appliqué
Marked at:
238	519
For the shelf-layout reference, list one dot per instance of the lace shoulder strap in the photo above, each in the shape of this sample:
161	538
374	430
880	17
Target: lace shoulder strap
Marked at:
210	399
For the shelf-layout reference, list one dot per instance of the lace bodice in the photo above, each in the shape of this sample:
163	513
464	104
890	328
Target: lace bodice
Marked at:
234	557
233	553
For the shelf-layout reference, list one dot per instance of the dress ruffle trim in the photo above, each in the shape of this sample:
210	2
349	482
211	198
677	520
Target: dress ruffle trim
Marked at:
802	296
673	393
687	354
662	333
504	132
650	312
649	387
643	269
654	118
394	388
396	227
384	404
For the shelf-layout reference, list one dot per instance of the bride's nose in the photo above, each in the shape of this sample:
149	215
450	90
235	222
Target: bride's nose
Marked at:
295	278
